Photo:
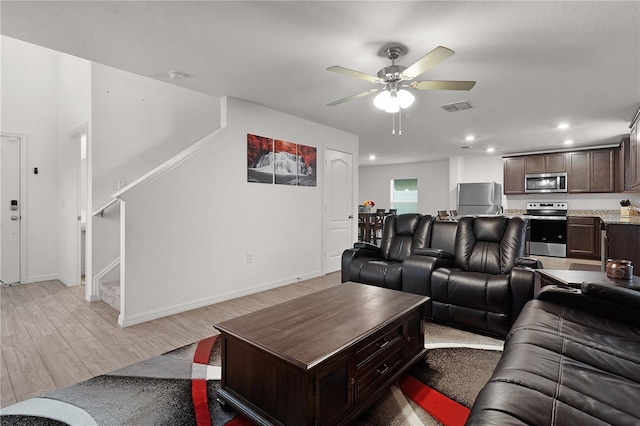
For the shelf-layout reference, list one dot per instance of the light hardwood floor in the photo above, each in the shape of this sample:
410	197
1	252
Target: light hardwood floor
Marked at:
50	337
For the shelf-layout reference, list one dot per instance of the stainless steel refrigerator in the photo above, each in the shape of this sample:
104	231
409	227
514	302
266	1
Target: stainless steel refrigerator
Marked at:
479	198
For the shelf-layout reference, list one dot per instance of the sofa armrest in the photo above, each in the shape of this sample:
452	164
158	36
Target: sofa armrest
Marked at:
433	252
417	270
528	262
521	284
607	301
613	294
366	246
359	250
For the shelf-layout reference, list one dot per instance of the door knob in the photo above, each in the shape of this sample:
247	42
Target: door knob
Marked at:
350	216
14	217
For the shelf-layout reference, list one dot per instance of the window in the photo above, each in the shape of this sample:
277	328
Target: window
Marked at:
404	195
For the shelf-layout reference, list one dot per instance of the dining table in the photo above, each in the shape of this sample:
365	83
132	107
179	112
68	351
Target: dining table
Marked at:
368	223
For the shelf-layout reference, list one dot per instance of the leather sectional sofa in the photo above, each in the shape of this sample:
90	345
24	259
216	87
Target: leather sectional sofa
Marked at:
571	358
473	270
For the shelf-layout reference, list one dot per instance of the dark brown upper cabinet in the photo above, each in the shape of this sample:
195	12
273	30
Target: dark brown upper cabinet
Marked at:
513	175
545	163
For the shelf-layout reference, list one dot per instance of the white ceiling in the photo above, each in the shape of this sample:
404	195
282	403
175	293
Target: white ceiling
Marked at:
536	63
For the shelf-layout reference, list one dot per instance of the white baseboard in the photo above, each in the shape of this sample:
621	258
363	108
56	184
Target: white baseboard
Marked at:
40	278
126	321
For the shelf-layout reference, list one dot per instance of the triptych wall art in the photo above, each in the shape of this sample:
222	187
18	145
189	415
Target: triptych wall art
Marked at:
275	161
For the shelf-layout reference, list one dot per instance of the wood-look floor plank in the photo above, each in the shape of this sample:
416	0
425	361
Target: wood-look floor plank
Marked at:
64	364
7	396
129	354
35	320
37	290
54	286
26	368
146	337
36	393
19	294
10	322
96	356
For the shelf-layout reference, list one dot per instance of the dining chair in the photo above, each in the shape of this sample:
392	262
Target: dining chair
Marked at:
378	220
393	211
442	215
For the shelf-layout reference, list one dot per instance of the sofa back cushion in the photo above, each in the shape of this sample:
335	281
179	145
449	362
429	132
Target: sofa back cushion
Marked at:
490	244
443	235
404	233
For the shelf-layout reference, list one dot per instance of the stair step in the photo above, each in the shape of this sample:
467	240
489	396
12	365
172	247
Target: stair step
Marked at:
110	294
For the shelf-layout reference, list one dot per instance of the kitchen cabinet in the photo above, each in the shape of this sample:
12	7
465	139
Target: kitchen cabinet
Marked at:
546	163
583	237
592	170
513	175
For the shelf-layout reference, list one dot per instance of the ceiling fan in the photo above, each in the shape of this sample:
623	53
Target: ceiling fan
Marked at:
396	78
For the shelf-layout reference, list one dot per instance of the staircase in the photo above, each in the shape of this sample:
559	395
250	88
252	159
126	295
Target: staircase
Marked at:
110	294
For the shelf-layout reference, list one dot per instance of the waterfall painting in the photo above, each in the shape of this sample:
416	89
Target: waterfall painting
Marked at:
307	161
259	159
284	163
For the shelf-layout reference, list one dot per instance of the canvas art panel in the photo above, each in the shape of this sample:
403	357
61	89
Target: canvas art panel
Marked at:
286	162
307	160
259	159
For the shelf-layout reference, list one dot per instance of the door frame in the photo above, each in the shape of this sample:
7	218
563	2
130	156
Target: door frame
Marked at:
325	196
24	208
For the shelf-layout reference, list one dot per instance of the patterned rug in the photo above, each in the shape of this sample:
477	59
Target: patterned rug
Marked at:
179	388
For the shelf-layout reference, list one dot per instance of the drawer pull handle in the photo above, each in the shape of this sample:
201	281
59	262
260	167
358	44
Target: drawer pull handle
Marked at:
385	367
381	344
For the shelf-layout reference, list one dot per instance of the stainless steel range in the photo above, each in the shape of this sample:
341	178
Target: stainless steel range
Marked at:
548	228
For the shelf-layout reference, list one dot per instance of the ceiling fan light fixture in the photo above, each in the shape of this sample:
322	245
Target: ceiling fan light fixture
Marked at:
405	98
393	104
381	100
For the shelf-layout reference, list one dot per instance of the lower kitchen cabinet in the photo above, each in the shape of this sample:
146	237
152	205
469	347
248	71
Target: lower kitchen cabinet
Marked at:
583	237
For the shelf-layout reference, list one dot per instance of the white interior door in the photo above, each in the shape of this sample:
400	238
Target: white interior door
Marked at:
339	207
10	215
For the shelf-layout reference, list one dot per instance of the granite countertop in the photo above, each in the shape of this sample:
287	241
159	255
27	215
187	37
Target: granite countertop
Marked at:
609	217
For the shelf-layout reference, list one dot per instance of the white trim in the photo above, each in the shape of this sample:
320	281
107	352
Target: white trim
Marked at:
183	307
24	205
40	278
123	262
179	158
443	345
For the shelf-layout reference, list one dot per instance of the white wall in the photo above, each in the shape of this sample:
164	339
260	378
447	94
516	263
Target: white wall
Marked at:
188	232
74	109
433	183
137	123
30	106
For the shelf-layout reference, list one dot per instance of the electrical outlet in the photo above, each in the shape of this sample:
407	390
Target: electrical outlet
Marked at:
249	257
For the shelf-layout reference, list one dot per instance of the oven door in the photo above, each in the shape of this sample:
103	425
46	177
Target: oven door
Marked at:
548	236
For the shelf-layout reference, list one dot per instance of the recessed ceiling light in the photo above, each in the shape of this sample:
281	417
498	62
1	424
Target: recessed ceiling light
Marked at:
470	138
490	149
372	157
563	126
177	75
567	142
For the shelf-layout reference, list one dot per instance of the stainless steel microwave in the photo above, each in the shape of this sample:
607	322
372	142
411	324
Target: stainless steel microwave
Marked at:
545	182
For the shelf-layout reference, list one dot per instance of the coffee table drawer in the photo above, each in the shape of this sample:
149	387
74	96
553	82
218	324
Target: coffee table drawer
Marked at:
374	378
376	344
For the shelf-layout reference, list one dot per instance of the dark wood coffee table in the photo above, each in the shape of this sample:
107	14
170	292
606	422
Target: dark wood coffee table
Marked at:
573	278
322	358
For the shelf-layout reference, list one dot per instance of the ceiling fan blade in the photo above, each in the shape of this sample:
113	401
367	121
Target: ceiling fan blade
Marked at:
432	58
352	73
442	85
348	98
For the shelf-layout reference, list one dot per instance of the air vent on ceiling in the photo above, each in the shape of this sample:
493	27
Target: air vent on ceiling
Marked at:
465	147
456	106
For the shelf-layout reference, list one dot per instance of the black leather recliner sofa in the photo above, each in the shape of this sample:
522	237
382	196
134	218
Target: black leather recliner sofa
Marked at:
484	283
473	270
571	358
382	266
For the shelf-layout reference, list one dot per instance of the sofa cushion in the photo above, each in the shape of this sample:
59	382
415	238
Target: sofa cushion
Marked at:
381	273
402	234
471	299
563	366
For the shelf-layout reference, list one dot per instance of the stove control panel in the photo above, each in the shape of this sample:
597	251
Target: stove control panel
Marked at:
547	206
